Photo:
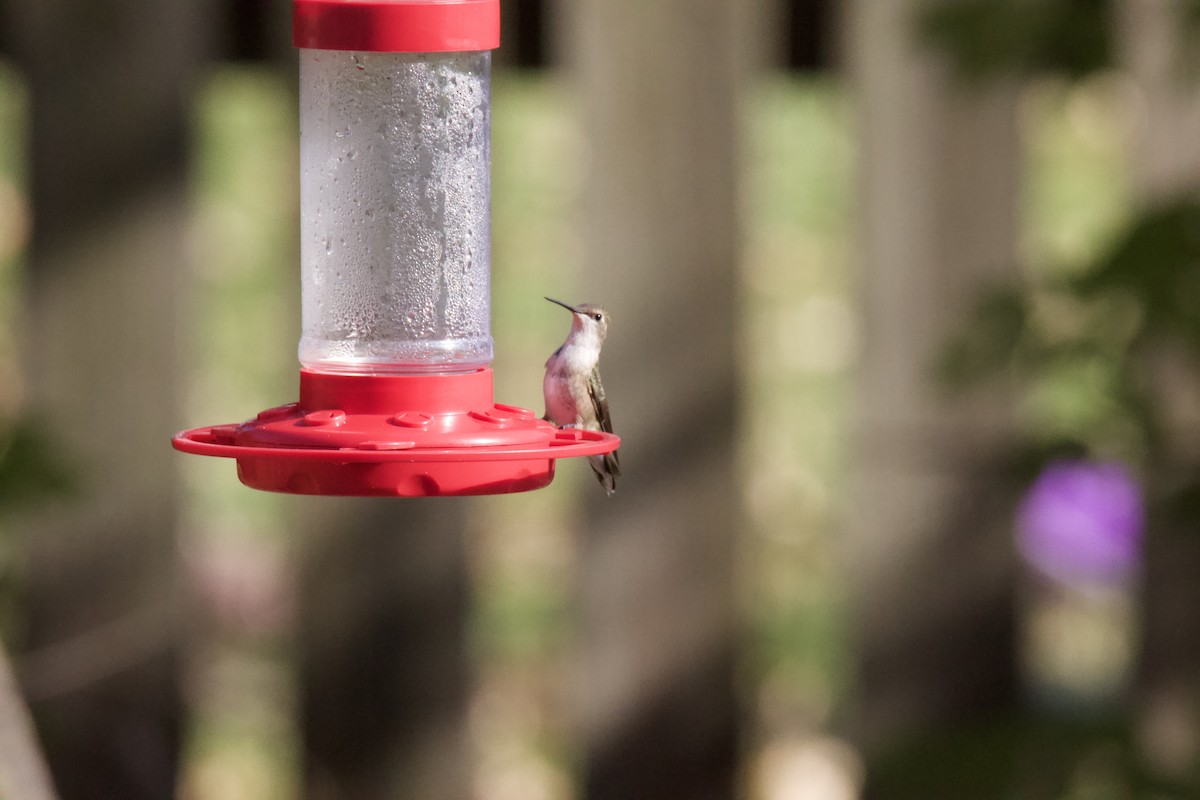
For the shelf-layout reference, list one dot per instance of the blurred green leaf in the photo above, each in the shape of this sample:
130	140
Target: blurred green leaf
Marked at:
30	468
1073	391
1078	345
1022	755
1182	507
1029	459
1157	262
988	343
1191	16
986	38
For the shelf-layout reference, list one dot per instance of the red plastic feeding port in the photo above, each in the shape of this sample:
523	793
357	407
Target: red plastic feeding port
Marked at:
395	436
396	26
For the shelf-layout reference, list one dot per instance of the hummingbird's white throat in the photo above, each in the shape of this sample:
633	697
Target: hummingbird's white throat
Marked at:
585	334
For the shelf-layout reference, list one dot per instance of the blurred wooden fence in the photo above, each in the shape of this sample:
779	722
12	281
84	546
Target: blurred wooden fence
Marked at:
384	665
109	86
385	675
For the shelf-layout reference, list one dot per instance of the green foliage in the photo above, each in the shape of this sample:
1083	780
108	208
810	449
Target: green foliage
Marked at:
994	37
986	38
1157	264
990	343
1021	756
1079	346
30	468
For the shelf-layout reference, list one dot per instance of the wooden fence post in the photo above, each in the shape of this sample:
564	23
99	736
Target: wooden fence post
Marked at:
384	670
929	541
657	86
110	85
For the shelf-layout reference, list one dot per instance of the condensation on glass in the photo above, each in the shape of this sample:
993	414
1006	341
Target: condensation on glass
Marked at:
395	211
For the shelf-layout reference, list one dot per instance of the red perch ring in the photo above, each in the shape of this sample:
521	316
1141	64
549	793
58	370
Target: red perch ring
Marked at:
395	436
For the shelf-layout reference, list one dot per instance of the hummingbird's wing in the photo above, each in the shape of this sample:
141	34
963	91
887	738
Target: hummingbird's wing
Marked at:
600	403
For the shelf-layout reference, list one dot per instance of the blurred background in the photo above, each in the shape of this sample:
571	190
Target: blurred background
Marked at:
905	357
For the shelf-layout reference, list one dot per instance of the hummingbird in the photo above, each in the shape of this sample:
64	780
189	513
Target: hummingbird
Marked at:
572	387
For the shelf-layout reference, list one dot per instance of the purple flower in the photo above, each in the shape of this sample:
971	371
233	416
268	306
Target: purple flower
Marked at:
1082	521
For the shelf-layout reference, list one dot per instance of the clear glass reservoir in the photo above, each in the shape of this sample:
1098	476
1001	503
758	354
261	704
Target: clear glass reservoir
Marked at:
395	197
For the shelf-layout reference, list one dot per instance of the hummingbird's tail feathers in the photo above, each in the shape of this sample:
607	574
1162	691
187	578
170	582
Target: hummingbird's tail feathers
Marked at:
607	470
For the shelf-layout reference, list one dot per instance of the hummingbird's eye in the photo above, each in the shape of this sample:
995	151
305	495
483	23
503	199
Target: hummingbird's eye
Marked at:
597	317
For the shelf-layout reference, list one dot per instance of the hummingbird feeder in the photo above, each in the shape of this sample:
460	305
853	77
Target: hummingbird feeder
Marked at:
395	388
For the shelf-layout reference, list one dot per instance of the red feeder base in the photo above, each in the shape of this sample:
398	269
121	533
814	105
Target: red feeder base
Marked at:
395	436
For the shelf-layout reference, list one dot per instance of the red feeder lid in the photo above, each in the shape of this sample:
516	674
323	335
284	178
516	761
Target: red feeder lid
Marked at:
396	26
395	436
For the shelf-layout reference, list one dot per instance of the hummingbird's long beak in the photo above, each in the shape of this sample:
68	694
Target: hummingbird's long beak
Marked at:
564	305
